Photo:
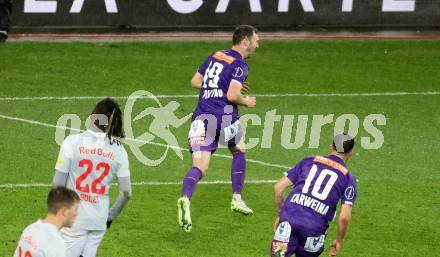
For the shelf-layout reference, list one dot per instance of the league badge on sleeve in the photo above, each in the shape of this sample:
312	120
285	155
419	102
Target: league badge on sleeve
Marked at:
238	72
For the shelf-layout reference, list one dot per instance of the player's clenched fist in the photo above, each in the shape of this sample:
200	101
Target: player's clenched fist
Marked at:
336	246
250	101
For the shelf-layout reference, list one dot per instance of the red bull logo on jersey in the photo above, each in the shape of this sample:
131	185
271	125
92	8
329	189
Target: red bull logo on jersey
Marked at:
98	152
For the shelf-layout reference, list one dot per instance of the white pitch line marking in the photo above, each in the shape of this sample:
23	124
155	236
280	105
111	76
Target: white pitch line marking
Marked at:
34	122
143	183
42	98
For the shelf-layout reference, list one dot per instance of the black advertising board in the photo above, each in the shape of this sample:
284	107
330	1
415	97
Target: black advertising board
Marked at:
196	14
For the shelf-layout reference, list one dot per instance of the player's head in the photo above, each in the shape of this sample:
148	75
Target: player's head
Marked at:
343	145
109	109
63	204
246	37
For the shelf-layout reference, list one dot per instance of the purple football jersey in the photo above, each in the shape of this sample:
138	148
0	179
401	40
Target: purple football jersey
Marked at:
319	183
218	70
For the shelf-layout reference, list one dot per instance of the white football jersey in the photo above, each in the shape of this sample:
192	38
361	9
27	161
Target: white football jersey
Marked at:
41	240
91	162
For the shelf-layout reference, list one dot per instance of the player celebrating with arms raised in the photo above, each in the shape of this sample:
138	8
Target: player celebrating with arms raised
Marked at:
87	163
319	183
221	80
42	238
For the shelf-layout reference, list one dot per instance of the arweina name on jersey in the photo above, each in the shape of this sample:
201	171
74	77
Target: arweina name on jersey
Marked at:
310	202
98	152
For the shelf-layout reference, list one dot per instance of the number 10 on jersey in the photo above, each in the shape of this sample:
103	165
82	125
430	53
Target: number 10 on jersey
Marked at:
318	183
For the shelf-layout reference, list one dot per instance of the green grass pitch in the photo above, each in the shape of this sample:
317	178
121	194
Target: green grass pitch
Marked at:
397	211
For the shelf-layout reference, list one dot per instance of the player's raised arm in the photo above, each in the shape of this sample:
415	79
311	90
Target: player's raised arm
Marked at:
343	222
235	96
197	80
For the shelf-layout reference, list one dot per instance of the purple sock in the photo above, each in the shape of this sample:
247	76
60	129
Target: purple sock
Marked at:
190	181
238	172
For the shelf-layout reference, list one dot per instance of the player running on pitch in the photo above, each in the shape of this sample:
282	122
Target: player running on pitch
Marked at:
87	163
42	238
221	80
319	183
